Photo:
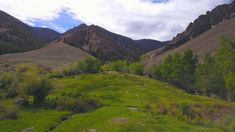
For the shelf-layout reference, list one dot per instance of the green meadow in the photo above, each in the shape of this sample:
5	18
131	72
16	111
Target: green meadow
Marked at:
128	103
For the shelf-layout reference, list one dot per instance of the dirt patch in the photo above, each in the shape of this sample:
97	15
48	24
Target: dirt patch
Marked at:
133	108
91	130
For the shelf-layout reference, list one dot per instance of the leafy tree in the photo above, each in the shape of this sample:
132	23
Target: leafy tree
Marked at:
225	67
178	70
204	78
230	85
216	75
188	69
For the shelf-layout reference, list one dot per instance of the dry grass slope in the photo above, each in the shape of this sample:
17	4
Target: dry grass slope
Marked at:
56	55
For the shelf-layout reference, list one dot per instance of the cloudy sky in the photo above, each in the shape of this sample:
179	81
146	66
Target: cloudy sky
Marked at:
155	19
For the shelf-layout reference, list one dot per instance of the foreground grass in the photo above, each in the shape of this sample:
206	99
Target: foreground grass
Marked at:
36	119
121	119
129	103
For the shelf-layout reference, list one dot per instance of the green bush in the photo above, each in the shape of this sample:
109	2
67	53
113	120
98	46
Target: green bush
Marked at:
188	111
90	65
136	68
7	79
33	81
118	66
51	101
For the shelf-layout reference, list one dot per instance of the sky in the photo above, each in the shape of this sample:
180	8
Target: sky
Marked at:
137	19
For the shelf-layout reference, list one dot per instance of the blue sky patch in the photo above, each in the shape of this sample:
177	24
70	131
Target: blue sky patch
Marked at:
61	24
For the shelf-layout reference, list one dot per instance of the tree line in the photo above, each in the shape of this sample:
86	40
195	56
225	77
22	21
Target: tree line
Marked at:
214	77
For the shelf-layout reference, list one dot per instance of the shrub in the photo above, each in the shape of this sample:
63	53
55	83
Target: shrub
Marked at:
136	68
188	111
90	65
11	93
118	66
51	101
76	105
7	82
34	82
7	79
82	106
73	69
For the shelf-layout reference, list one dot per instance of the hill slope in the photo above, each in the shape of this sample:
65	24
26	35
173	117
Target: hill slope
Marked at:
54	55
15	36
129	103
107	45
205	42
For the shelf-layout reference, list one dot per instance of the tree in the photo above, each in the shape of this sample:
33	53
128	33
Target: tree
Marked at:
225	67
178	70
216	74
204	79
188	69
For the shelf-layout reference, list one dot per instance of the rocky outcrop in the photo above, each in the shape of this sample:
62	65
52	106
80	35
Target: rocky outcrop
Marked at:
202	24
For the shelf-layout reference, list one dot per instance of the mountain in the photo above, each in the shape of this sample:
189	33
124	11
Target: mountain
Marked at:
45	34
56	55
203	23
106	45
202	36
15	36
149	44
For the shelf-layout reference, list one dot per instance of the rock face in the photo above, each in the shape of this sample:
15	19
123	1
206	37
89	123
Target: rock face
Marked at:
15	36
106	45
202	24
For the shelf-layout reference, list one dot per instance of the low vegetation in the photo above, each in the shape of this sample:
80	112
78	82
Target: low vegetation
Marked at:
27	80
124	67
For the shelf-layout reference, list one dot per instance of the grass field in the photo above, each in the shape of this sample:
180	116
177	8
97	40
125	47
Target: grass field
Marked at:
129	104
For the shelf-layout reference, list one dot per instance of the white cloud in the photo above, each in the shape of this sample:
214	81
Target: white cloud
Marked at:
134	18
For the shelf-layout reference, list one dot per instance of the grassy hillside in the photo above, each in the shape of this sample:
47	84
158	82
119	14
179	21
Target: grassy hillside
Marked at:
56	55
129	103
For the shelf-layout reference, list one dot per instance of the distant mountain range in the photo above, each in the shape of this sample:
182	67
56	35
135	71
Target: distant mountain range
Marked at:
106	45
15	36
